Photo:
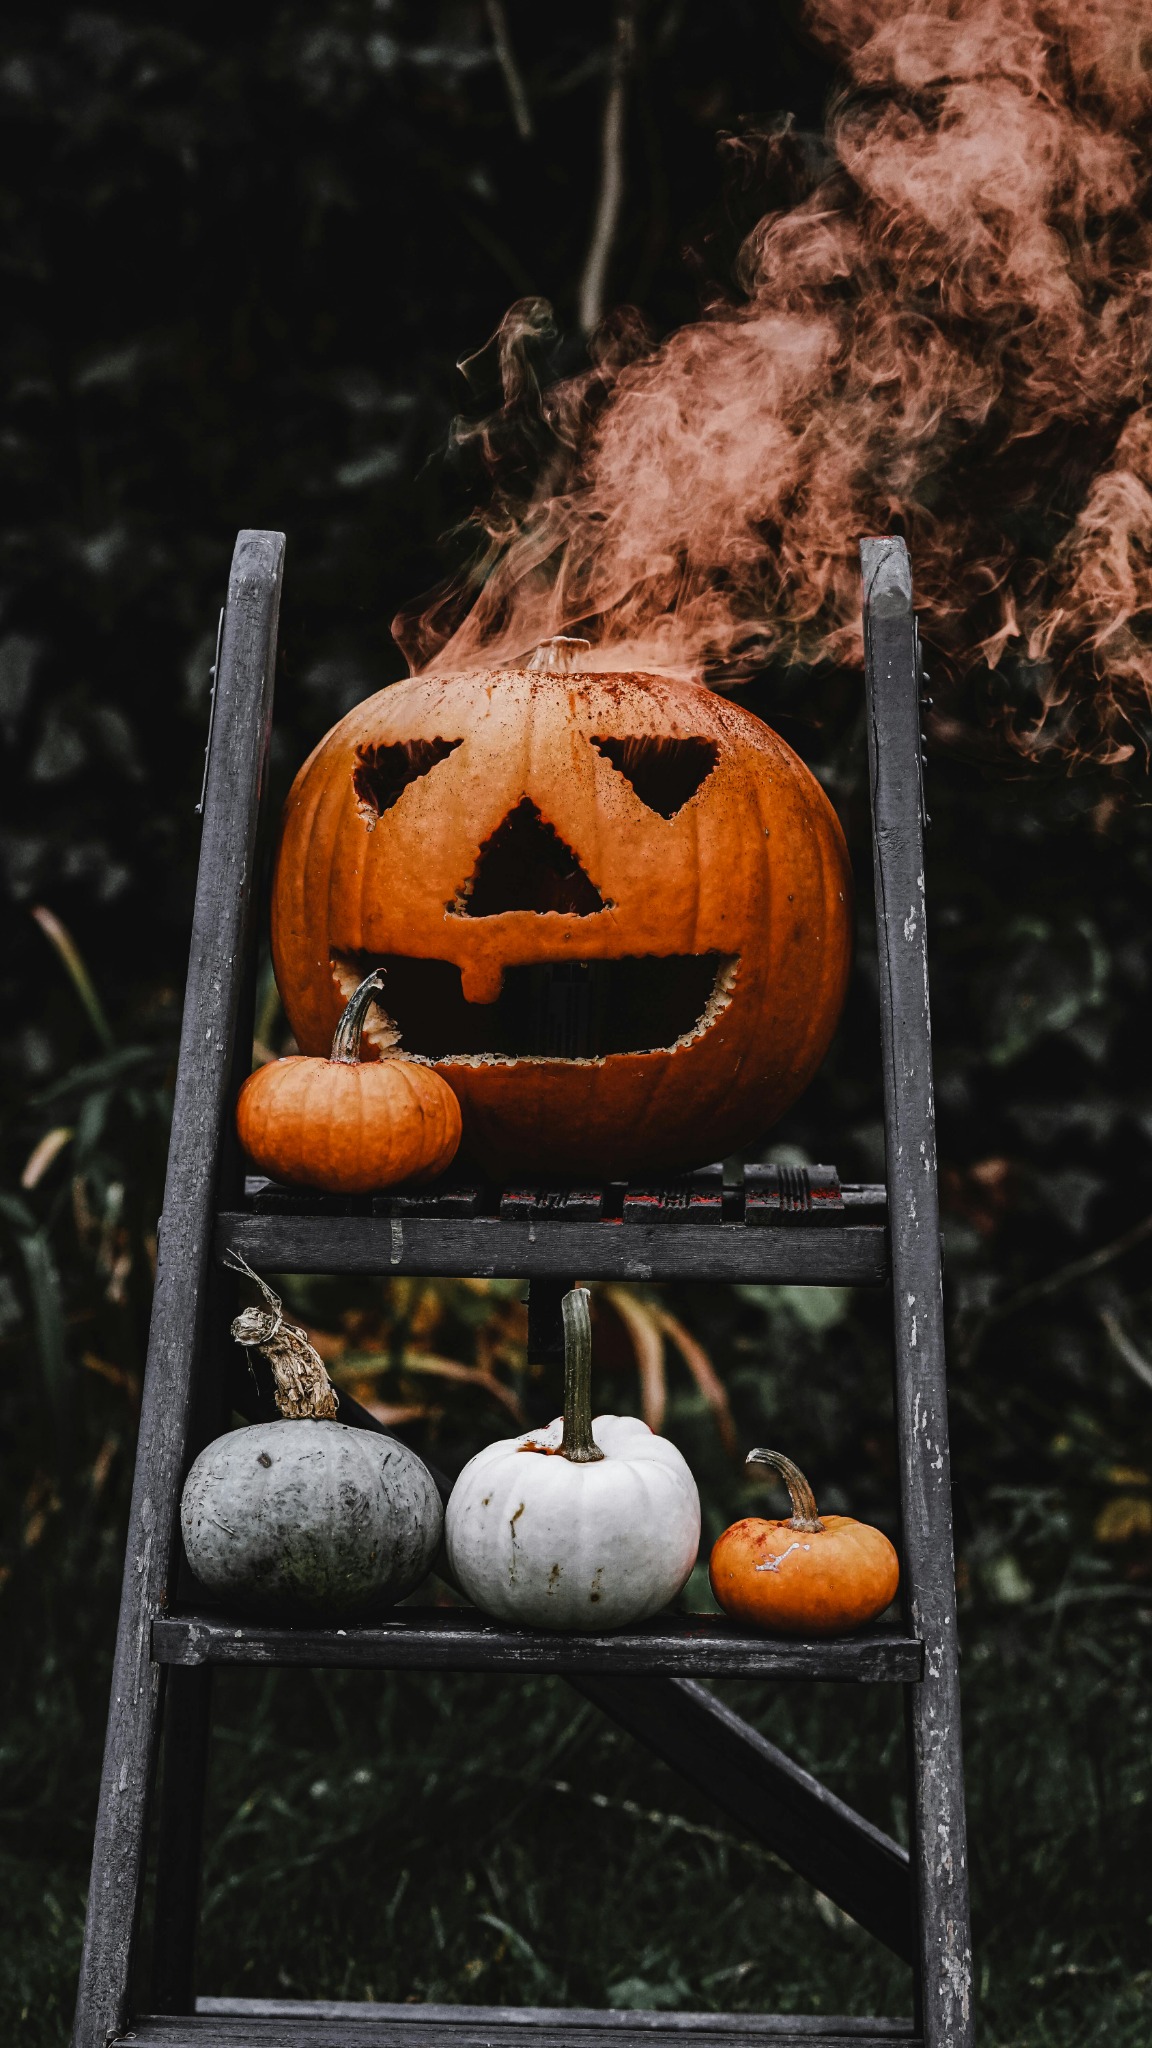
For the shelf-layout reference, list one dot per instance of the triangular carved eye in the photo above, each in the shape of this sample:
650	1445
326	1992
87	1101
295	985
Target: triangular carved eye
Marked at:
663	772
525	865
383	773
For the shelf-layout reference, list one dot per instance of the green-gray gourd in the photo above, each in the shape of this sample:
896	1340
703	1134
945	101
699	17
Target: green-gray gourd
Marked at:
307	1518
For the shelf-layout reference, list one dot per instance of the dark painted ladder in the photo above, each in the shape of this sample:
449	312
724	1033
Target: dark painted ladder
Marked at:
784	1226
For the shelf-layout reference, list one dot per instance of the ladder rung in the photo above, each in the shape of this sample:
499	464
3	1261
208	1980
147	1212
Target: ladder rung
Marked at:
459	1639
805	1254
265	2023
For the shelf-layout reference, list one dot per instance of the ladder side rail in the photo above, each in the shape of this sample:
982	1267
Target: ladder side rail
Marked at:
181	1779
221	930
892	675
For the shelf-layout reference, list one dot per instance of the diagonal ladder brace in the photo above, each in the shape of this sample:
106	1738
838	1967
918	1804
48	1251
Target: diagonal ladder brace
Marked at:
781	1805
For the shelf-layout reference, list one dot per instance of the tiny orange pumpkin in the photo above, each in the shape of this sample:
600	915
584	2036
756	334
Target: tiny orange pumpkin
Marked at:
345	1127
807	1575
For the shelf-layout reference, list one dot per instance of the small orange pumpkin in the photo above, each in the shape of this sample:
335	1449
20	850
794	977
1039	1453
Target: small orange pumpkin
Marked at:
344	1127
805	1576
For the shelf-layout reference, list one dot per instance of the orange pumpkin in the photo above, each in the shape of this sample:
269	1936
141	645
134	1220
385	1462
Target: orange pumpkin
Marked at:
805	1576
614	909
345	1127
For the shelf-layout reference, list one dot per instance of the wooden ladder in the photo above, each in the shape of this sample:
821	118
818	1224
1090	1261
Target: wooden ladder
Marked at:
785	1226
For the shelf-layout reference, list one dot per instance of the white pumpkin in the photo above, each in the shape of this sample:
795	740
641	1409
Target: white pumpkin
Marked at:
585	1525
310	1519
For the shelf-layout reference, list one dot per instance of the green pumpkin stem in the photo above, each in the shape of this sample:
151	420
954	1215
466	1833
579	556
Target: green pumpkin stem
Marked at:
349	1031
804	1516
578	1443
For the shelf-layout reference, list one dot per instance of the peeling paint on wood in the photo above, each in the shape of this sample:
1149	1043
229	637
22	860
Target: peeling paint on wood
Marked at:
893	685
460	1639
316	2023
817	1253
236	768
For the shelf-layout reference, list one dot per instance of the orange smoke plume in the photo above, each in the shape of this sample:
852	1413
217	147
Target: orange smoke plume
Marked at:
941	328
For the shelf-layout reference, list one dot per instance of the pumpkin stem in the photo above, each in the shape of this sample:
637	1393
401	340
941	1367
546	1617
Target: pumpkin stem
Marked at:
578	1443
302	1388
346	1040
558	656
804	1516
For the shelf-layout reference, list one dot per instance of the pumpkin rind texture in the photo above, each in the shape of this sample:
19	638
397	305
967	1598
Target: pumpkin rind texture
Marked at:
541	1542
481	834
821	1582
348	1129
310	1519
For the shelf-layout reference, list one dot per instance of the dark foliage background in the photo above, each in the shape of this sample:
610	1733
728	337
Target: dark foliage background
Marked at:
242	249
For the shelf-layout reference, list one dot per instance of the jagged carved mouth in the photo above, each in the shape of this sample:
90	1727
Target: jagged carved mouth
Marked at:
550	1010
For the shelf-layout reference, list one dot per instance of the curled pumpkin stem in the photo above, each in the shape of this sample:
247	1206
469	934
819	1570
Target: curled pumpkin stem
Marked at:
578	1443
804	1515
303	1390
349	1031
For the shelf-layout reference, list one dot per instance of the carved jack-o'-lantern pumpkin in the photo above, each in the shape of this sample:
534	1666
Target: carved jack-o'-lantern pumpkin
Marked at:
612	910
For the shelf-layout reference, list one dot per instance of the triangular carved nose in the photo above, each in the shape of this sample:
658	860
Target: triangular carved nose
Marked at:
525	865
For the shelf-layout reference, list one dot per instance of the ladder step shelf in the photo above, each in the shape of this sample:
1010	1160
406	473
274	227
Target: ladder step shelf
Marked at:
304	1240
459	1639
268	2023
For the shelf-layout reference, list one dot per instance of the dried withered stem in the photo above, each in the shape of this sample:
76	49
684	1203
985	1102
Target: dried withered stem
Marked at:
304	1392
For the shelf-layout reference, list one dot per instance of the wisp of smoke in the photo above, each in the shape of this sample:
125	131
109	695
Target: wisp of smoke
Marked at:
943	330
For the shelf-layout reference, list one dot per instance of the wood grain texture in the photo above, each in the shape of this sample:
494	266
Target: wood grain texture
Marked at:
598	2020
856	1865
268	2023
459	1639
484	1247
220	937
893	687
